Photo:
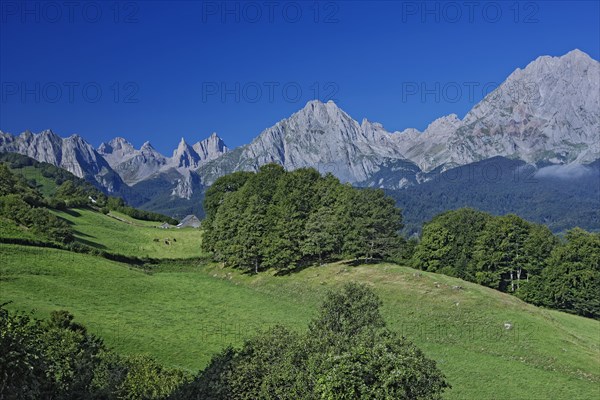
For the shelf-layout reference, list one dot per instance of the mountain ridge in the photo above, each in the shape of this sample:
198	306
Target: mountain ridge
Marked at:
546	112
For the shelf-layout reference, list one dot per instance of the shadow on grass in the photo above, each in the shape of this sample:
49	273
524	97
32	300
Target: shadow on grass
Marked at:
71	212
361	261
89	242
304	265
293	270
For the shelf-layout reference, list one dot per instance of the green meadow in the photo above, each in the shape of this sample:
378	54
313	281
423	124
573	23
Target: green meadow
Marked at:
183	310
119	233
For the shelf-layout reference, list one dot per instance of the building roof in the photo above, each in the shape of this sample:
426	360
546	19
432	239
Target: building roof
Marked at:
189	220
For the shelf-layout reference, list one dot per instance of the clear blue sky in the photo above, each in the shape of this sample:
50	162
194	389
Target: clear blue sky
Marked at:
174	59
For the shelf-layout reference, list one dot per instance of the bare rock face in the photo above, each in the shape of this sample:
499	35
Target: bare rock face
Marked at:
320	135
132	165
185	156
210	148
73	154
549	111
135	166
184	186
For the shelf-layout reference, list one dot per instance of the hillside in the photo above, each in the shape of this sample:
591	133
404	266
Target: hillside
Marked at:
561	197
184	312
119	233
183	309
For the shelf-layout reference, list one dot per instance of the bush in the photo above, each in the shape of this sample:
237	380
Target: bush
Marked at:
59	359
39	220
347	353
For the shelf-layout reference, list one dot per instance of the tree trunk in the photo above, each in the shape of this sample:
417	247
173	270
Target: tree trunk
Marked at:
512	282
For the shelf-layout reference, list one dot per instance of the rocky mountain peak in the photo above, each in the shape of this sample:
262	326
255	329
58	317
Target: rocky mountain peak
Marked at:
210	148
48	135
578	55
147	146
318	113
77	138
442	125
26	135
185	156
118	146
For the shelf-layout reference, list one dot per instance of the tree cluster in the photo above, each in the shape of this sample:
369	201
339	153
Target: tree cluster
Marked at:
512	255
571	279
279	219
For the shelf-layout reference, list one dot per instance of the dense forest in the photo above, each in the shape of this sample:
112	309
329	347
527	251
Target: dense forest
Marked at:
502	186
346	352
278	219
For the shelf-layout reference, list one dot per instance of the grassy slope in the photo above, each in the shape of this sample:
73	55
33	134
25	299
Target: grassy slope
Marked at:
182	314
136	238
46	185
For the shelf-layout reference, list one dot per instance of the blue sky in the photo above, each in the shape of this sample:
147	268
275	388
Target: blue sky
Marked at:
160	71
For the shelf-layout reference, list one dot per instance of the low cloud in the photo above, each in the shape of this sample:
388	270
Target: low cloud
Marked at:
569	171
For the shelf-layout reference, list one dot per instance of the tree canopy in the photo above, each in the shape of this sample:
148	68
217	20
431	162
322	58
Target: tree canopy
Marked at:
516	256
279	219
571	279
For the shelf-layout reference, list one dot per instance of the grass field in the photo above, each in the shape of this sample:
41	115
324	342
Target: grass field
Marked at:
185	311
133	237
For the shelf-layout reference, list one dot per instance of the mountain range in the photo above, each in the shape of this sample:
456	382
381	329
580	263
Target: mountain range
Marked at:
547	113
